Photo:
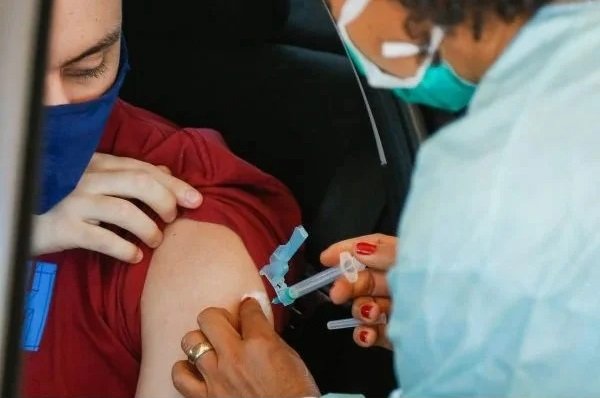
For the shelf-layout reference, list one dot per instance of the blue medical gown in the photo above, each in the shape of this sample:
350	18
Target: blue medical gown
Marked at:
497	287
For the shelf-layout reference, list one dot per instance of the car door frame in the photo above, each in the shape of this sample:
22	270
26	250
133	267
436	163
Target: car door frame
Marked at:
23	42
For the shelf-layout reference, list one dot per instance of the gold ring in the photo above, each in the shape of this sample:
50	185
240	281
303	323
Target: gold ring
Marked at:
197	351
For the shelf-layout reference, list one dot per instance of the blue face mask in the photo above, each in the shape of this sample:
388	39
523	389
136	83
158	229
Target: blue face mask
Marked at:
434	85
71	134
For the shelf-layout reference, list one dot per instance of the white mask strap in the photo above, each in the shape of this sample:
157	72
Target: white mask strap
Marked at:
399	50
352	10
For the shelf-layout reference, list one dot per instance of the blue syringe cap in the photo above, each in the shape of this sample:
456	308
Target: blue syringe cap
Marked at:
278	266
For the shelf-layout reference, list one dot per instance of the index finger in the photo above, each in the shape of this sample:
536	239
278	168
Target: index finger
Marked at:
376	251
187	196
218	327
253	321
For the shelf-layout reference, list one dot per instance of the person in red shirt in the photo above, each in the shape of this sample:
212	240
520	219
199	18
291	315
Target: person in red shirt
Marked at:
113	329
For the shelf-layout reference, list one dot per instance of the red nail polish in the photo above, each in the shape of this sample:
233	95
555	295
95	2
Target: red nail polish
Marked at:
362	336
365	311
365	249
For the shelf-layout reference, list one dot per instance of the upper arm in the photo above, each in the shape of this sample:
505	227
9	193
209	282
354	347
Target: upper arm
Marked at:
199	265
209	257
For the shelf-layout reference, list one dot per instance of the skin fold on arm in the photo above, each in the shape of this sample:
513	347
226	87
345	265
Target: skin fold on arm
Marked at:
199	265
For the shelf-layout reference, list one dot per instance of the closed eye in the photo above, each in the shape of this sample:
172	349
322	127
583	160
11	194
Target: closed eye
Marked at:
84	74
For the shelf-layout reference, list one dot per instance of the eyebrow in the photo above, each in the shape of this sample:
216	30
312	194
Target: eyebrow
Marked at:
101	45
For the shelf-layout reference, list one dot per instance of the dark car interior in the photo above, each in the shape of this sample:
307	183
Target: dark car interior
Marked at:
273	77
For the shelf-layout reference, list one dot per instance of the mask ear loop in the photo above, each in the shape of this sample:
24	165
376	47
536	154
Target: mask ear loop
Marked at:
352	10
437	36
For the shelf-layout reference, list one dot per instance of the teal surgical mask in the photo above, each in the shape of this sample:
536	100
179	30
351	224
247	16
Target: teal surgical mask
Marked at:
435	85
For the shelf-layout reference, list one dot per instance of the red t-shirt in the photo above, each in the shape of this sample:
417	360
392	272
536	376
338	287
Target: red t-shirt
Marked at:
91	346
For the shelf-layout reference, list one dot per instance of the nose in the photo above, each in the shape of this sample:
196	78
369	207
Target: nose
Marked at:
54	90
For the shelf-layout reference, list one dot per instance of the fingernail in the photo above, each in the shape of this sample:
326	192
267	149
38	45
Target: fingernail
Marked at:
362	336
365	311
156	241
165	169
192	197
139	256
155	244
365	249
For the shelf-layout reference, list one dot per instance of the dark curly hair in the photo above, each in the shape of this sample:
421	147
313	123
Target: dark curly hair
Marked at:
450	13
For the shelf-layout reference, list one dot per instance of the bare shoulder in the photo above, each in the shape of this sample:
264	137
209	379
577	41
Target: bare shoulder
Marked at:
199	265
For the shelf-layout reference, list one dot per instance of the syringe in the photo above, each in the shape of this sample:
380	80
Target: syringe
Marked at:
353	322
349	267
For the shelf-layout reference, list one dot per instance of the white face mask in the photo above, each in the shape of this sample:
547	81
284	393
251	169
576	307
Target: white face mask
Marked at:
375	76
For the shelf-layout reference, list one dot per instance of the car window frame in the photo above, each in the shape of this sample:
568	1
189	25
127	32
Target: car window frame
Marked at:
23	44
